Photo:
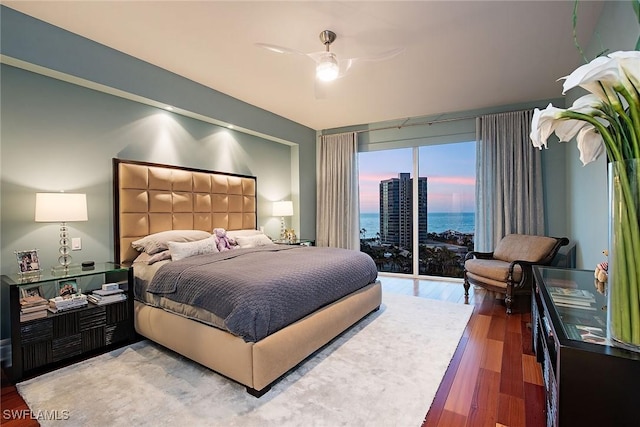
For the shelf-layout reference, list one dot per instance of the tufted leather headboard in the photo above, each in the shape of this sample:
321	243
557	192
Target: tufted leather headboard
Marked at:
149	198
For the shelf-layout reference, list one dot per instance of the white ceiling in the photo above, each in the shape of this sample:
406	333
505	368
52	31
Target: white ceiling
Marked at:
458	55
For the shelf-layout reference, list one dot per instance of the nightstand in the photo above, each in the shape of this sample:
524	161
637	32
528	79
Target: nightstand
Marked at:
297	242
59	339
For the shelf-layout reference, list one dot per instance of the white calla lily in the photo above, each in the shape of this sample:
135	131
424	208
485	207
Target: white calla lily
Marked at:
629	64
551	119
588	73
543	125
587	104
590	144
602	77
607	118
567	129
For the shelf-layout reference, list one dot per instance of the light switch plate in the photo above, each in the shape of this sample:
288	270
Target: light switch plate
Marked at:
76	243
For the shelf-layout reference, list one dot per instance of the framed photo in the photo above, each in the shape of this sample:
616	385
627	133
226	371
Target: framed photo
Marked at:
28	261
34	291
67	288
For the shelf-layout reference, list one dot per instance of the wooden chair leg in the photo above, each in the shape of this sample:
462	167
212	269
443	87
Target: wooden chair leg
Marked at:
508	299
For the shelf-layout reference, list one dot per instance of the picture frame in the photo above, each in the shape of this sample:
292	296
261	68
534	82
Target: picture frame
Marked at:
28	261
31	292
67	288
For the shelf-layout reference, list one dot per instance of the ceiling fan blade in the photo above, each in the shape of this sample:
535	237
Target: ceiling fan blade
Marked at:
380	57
279	49
346	64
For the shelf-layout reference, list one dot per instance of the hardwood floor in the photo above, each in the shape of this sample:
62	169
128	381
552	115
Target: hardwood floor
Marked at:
493	379
15	412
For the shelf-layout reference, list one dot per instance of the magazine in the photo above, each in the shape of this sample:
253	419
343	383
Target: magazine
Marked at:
586	333
572	293
571	305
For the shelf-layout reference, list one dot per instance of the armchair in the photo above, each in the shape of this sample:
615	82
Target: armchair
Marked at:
508	269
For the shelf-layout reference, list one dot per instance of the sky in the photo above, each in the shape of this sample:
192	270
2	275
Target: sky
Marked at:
450	170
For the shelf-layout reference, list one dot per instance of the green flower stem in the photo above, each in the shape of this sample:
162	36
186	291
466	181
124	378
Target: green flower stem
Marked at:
625	280
634	121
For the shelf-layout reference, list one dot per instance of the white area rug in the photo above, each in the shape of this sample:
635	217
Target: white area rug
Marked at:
384	371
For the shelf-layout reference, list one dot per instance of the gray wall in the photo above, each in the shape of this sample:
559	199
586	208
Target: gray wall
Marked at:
60	136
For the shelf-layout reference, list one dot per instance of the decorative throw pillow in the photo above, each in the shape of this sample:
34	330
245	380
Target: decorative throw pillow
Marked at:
181	250
254	241
157	242
232	234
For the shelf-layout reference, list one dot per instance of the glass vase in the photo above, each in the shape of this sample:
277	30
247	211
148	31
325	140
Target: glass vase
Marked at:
623	287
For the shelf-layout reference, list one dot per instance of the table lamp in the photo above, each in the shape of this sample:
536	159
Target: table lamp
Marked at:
282	209
62	208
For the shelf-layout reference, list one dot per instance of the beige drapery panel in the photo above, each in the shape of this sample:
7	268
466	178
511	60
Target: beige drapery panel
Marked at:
337	223
509	192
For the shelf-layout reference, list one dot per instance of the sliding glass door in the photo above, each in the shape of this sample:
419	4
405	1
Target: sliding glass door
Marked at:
431	216
386	216
448	233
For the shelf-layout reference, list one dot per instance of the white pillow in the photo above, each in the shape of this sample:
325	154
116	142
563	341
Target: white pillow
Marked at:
181	250
246	232
253	241
157	242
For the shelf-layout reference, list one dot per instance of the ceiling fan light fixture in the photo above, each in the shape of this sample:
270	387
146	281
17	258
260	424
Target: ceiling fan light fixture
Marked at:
327	68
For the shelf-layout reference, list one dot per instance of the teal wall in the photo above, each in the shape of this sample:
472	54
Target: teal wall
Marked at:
57	136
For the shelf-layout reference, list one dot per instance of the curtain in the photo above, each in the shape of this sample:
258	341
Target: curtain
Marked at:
509	192
337	217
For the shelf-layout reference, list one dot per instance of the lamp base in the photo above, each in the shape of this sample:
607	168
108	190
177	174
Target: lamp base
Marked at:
65	258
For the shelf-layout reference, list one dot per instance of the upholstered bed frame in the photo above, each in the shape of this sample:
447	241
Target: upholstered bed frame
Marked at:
149	198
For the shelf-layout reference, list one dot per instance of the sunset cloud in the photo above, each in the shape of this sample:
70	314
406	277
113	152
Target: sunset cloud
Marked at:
454	180
445	193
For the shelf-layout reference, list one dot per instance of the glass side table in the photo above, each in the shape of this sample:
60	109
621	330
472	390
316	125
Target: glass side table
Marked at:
52	340
296	242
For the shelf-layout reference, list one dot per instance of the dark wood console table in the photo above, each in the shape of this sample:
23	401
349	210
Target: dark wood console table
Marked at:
588	381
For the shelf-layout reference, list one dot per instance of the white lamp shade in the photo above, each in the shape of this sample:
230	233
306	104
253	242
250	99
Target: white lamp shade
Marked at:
283	208
61	207
327	68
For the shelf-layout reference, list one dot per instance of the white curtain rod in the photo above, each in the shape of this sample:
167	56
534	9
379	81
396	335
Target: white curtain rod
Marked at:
429	123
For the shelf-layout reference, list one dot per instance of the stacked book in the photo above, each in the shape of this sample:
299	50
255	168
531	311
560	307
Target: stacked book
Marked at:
59	304
572	298
103	296
32	307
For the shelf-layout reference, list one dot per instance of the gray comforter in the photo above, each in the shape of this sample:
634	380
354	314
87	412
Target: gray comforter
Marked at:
261	290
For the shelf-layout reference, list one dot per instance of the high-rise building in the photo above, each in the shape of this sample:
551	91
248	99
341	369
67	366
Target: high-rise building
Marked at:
396	213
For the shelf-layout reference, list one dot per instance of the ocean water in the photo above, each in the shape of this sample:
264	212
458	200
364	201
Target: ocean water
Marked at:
437	222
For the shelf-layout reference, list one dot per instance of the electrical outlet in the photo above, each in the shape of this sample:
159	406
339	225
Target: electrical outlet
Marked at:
76	243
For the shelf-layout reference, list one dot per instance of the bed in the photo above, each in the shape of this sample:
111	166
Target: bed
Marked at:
151	200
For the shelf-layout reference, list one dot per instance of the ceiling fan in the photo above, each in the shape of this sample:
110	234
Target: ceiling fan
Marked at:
328	66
